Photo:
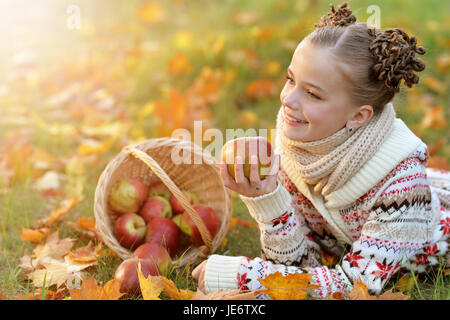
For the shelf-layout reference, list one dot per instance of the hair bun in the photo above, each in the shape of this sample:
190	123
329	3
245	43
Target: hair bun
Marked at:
396	58
342	17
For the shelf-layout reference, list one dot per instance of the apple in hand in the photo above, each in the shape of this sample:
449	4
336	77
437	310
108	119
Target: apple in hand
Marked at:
246	147
158	188
165	232
187	225
127	274
127	195
156	253
176	204
130	230
155	207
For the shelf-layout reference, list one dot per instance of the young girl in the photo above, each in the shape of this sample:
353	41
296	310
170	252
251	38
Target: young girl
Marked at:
351	178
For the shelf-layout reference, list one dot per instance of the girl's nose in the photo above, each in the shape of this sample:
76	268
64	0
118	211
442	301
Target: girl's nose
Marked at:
291	100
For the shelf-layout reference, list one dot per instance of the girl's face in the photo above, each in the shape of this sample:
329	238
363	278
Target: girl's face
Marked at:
315	93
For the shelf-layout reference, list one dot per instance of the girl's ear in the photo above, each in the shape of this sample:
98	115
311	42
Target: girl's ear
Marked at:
360	117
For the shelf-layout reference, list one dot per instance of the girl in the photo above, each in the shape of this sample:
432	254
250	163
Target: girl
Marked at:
351	178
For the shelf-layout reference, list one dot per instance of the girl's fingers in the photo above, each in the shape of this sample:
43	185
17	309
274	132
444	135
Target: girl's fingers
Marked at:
239	171
227	180
254	172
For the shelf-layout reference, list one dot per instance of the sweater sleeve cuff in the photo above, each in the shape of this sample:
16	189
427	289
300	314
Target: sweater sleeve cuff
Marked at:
221	272
268	206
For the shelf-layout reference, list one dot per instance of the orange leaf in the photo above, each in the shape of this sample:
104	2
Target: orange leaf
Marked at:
179	65
84	254
34	235
434	84
360	292
438	163
56	214
293	286
260	89
89	290
434	118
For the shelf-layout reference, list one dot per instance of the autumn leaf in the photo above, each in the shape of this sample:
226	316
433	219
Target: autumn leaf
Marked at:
260	89
360	292
173	292
85	254
62	210
34	235
179	64
235	294
151	287
293	286
151	12
39	295
89	290
438	163
434	118
405	283
434	84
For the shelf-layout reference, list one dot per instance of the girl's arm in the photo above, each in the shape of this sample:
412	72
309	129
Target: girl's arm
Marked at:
395	231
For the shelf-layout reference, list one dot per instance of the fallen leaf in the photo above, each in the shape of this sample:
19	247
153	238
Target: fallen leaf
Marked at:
37	295
360	292
405	283
235	294
34	235
293	286
85	254
434	84
434	118
56	214
173	292
151	287
89	290
438	163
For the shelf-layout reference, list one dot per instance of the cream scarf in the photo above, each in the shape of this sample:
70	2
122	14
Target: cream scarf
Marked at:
327	164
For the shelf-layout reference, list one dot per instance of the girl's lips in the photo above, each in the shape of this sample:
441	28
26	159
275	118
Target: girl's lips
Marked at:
292	120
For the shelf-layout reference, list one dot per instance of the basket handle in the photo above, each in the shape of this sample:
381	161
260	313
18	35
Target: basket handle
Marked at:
161	174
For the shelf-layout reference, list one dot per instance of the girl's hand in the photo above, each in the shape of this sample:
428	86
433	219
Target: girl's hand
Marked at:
254	186
199	274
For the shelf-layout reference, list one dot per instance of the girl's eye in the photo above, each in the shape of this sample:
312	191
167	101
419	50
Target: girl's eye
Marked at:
312	94
290	79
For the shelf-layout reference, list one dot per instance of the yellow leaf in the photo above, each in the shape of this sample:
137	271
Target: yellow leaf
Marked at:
434	118
173	292
151	12
151	287
434	84
293	286
405	283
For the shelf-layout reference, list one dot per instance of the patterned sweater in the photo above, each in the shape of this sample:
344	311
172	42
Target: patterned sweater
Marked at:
399	222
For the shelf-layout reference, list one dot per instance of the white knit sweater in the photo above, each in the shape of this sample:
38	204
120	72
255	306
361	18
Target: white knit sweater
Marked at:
387	214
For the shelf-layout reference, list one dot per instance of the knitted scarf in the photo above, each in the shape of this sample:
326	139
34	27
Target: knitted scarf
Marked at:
327	164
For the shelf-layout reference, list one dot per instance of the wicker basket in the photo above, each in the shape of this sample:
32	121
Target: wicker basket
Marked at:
151	161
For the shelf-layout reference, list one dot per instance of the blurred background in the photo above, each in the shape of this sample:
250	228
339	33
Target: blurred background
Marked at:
81	79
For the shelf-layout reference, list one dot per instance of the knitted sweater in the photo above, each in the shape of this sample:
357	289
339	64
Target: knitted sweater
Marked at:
385	218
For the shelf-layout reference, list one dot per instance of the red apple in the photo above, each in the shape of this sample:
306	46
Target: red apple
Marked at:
157	253
158	188
127	195
127	275
187	226
165	232
130	230
245	147
176	204
155	207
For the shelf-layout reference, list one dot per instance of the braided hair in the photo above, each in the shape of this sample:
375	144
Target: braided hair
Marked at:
378	60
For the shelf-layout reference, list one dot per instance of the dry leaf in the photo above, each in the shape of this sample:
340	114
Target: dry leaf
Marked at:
56	214
235	294
151	287
85	254
360	292
37	295
34	235
293	286
405	283
89	290
174	293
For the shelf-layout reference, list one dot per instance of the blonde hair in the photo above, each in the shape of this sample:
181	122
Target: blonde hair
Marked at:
377	61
